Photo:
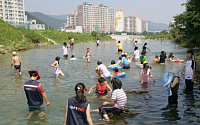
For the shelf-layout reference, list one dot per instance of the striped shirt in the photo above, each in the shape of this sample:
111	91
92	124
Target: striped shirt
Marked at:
120	98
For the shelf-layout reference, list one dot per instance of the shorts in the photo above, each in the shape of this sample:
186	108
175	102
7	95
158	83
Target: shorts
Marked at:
126	66
17	66
105	109
137	59
40	108
189	84
72	44
97	44
119	51
105	93
106	76
65	56
144	51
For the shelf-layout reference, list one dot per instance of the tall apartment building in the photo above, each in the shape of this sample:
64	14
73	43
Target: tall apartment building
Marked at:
133	24
144	25
120	20
96	18
72	20
12	11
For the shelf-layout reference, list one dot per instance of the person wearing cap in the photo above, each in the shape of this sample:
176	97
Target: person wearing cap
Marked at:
78	108
156	60
103	70
171	56
17	63
145	73
119	45
174	87
190	71
34	92
143	58
125	64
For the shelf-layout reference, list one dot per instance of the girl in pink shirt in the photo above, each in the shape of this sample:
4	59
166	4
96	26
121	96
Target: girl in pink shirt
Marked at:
145	73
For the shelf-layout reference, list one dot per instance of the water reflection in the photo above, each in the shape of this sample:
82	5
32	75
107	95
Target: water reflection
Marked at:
171	112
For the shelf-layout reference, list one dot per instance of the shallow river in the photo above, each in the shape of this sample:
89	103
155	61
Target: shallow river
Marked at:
152	107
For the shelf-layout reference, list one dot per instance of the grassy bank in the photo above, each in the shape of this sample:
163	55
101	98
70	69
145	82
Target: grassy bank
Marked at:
16	39
61	37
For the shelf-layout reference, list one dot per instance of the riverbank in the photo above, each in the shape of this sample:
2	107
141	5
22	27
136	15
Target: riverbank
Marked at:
158	37
16	39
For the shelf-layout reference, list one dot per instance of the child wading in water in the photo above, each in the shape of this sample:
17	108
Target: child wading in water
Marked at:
101	87
17	63
88	55
145	73
56	65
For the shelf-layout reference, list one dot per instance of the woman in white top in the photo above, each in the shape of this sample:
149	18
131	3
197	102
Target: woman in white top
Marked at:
65	53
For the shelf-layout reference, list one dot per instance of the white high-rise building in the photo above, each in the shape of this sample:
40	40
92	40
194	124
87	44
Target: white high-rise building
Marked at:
72	20
120	20
12	11
144	25
133	24
96	18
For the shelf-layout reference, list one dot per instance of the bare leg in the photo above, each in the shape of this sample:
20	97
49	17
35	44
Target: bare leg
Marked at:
62	74
15	71
20	73
96	110
106	117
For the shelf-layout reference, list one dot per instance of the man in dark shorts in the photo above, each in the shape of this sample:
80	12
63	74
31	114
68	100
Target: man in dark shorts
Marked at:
17	63
34	92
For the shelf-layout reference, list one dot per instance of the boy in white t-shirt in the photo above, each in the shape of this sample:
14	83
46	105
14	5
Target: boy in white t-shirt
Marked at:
136	54
190	71
65	53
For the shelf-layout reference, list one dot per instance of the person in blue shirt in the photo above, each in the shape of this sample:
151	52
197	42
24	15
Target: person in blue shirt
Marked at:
125	64
119	61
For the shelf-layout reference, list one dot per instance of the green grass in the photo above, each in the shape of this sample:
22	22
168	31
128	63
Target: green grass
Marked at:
61	37
168	36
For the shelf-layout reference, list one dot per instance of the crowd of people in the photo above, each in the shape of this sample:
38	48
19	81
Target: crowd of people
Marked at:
78	108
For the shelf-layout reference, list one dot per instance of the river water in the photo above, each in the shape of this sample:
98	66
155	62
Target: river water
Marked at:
152	107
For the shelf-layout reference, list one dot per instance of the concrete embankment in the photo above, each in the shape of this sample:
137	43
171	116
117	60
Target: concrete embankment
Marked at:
126	37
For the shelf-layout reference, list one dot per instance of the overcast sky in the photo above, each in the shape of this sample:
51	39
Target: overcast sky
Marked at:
158	11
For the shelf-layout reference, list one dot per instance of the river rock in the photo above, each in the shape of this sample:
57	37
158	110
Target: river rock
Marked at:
136	92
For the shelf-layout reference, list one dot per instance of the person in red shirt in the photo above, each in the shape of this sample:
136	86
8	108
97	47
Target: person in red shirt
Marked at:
116	72
101	87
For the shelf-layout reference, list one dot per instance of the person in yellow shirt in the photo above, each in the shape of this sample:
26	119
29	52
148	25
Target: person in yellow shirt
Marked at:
119	45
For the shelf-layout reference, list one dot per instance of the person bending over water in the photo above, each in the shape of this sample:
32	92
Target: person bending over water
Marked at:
102	69
101	87
145	73
78	108
125	62
118	100
17	63
171	56
57	70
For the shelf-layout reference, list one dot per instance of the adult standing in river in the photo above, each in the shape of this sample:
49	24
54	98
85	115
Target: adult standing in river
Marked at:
34	92
144	48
